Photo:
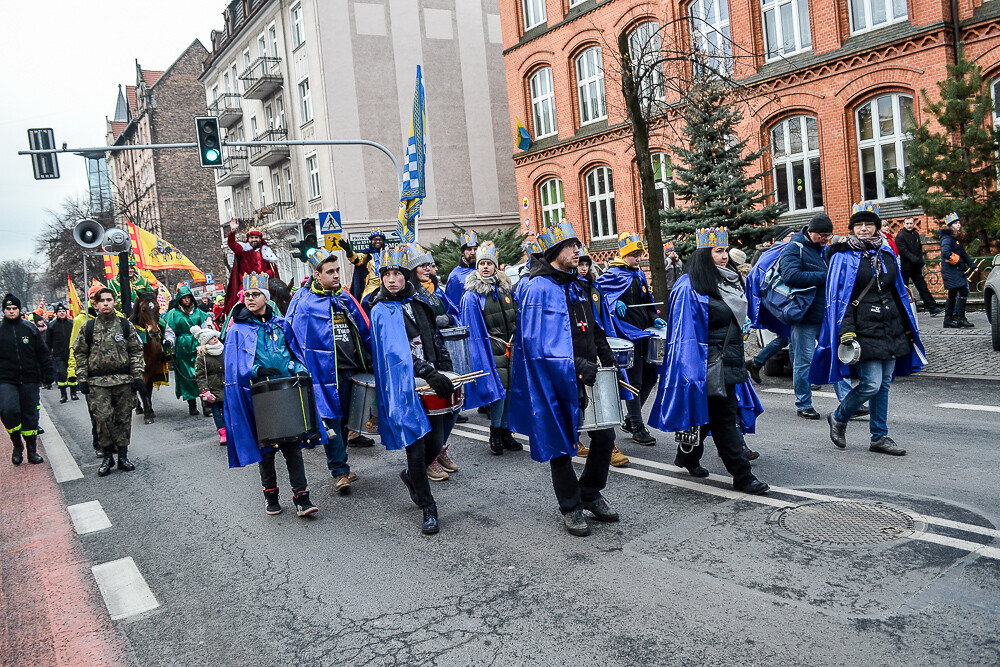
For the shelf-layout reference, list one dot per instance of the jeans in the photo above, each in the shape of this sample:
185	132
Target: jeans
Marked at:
842	388
769	351
293	461
723	424
802	344
421	454
499	410
217	416
336	444
874	378
572	493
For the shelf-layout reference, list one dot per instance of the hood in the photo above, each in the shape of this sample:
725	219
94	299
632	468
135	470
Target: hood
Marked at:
540	267
475	283
946	231
184	290
382	294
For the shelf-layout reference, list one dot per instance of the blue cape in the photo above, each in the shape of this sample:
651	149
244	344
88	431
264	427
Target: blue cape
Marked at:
487	389
406	422
518	291
681	398
826	367
456	283
544	400
760	316
602	315
311	319
613	283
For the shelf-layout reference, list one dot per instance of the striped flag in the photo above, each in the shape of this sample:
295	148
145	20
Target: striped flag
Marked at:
412	192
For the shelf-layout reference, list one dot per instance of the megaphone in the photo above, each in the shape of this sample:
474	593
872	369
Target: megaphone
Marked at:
88	233
116	241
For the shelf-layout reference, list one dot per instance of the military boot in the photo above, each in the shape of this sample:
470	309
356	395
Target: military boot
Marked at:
107	464
123	462
62	394
17	457
72	393
31	444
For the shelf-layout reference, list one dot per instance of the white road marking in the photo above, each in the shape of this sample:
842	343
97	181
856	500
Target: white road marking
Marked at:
964	406
124	590
63	464
791	392
89	517
484	429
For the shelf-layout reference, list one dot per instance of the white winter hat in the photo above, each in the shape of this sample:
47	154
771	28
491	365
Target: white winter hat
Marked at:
203	335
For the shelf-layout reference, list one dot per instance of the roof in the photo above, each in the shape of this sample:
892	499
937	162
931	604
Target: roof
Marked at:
150	77
132	104
117	128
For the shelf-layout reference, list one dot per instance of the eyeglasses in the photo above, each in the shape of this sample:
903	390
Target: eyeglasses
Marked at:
253	295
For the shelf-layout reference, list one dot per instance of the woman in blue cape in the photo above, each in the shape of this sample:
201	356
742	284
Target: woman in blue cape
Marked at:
867	307
408	345
707	311
469	241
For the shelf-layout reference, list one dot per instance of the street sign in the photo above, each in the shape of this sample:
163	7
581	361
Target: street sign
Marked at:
44	164
209	279
331	229
359	240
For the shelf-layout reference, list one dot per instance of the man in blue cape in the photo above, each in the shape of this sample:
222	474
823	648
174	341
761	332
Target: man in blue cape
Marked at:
466	265
558	345
332	337
256	350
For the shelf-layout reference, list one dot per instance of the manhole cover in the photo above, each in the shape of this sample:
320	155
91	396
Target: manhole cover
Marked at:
848	523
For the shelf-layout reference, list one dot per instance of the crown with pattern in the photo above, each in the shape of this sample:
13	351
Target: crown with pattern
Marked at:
254	231
395	258
629	243
668	246
419	256
376	232
712	237
319	255
488	251
469	239
865	211
951	219
584	252
865	206
556	234
256	281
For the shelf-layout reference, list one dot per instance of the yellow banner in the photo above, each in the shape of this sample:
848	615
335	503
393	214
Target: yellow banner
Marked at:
75	308
153	253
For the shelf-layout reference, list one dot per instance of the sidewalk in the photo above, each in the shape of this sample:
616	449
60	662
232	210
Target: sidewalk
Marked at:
959	353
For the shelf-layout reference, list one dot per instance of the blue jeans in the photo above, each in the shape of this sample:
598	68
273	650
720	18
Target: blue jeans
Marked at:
769	351
874	378
802	344
336	444
217	415
498	412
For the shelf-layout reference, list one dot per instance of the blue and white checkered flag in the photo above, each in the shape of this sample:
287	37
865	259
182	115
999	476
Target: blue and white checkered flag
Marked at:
412	193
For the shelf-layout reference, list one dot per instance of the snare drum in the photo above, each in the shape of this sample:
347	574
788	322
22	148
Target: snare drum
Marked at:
656	345
284	410
604	406
456	341
434	404
362	415
624	351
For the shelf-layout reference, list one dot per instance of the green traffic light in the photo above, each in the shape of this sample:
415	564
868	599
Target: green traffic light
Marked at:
211	155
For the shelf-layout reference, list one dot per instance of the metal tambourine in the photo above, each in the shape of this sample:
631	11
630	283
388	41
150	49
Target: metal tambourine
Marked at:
849	352
688	440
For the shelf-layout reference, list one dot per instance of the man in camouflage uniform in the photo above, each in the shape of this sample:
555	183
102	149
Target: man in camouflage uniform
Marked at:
109	355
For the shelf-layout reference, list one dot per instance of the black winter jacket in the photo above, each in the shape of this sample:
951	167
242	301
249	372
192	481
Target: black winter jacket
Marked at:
720	324
879	321
57	338
911	251
801	264
24	357
436	357
499	316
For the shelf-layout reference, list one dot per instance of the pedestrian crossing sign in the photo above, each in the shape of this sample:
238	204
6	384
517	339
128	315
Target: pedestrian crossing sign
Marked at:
331	229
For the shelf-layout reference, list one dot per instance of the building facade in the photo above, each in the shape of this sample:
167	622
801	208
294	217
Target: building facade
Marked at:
345	69
166	191
832	85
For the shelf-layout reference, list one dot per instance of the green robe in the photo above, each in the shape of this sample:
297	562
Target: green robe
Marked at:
186	346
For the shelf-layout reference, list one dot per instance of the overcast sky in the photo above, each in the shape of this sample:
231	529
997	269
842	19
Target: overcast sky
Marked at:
65	59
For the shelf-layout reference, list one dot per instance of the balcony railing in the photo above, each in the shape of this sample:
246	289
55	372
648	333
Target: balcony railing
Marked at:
262	78
235	168
227	109
265	156
274	211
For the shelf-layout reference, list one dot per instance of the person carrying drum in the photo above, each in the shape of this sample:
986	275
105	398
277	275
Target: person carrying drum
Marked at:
408	345
332	337
466	265
626	293
490	312
256	349
558	349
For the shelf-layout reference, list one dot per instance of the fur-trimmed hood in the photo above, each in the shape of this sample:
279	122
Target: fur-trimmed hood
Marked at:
475	283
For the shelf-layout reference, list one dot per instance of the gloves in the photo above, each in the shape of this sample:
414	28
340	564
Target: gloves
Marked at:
207	396
660	323
586	371
441	385
848	337
620	309
266	372
443	321
138	386
345	245
83	388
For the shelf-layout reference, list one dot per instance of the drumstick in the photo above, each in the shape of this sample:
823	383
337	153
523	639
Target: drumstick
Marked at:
629	387
646	305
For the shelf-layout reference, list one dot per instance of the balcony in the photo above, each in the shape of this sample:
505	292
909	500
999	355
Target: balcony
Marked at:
270	213
266	156
262	78
227	109
235	169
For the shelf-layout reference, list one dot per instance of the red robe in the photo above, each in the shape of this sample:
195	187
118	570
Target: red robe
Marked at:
245	261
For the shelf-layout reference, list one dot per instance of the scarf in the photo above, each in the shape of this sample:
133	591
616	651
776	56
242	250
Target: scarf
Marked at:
871	247
214	350
732	293
428	285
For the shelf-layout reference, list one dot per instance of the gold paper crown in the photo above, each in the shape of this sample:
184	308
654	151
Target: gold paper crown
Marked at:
488	251
255	281
629	243
712	237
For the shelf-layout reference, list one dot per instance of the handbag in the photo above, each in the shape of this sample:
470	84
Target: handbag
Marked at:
715	384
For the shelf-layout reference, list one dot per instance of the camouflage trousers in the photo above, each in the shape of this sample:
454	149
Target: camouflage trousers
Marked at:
111	408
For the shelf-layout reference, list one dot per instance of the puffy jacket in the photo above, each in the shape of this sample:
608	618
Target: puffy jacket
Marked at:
113	358
499	316
801	264
24	357
210	370
911	250
953	275
878	319
721	324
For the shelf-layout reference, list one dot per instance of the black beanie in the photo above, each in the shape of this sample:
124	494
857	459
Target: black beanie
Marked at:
821	224
11	300
552	252
865	216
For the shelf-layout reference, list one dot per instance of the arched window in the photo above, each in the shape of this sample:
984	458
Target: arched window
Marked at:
534	13
590	85
883	130
710	31
601	203
795	163
550	194
645	48
543	103
786	27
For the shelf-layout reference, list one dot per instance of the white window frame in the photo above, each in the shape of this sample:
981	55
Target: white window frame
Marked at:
236	78
893	11
262	192
276	185
262	45
253	128
645	47
269	115
543	103
879	142
533	12
553	200
286	171
601	205
239	204
665	195
589	67
279	112
305	101
312	166
784	158
298	27
227	208
215	93
710	31
225	82
574	3
246	59
272	40
786	16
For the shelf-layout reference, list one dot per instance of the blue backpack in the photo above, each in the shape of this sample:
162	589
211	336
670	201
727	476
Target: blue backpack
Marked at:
788	304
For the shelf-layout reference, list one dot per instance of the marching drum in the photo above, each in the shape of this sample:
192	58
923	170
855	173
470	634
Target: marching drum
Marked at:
624	351
362	415
434	404
284	410
656	345
604	406
456	340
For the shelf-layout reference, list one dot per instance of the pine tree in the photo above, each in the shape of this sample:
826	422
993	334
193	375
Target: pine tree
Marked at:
714	174
955	170
449	250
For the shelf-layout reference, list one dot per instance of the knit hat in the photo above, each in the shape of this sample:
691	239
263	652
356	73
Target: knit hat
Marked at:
59	307
865	211
738	256
820	224
11	300
203	335
92	292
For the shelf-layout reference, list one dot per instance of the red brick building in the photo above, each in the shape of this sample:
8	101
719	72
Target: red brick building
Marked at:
833	81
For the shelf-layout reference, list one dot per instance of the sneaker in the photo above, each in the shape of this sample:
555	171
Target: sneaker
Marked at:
445	461
302	505
582	450
754	371
575	523
271	506
358	440
436	473
886	445
618	460
343	484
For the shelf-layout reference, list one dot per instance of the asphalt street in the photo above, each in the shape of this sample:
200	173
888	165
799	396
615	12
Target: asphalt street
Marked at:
694	573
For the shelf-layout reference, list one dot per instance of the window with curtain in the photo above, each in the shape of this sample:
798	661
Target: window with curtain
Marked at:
710	32
590	85
645	48
786	27
534	13
873	14
543	103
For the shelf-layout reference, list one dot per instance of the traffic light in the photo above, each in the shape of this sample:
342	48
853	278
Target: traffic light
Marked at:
209	141
307	228
44	164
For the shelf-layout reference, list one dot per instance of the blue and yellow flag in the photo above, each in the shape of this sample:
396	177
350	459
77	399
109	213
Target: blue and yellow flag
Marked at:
412	192
523	136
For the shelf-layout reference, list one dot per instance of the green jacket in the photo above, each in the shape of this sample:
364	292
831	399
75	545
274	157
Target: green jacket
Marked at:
113	359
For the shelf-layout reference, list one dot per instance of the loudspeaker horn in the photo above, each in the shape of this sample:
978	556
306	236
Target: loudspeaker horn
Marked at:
88	233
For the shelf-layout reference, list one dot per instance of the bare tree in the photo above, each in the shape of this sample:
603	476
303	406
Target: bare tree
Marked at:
63	256
19	277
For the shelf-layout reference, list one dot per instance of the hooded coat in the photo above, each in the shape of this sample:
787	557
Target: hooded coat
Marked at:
490	312
185	345
953	275
456	281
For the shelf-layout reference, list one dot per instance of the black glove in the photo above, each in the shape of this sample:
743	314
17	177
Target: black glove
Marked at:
586	371
83	387
138	386
441	385
443	321
346	246
266	372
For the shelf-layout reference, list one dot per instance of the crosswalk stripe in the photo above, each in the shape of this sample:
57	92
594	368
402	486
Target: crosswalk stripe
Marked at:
968	406
124	590
88	517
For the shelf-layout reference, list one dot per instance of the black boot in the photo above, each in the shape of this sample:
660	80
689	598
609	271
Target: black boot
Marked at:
62	394
123	462
430	524
30	444
960	314
17	457
949	322
107	464
496	444
193	407
640	435
72	393
509	442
